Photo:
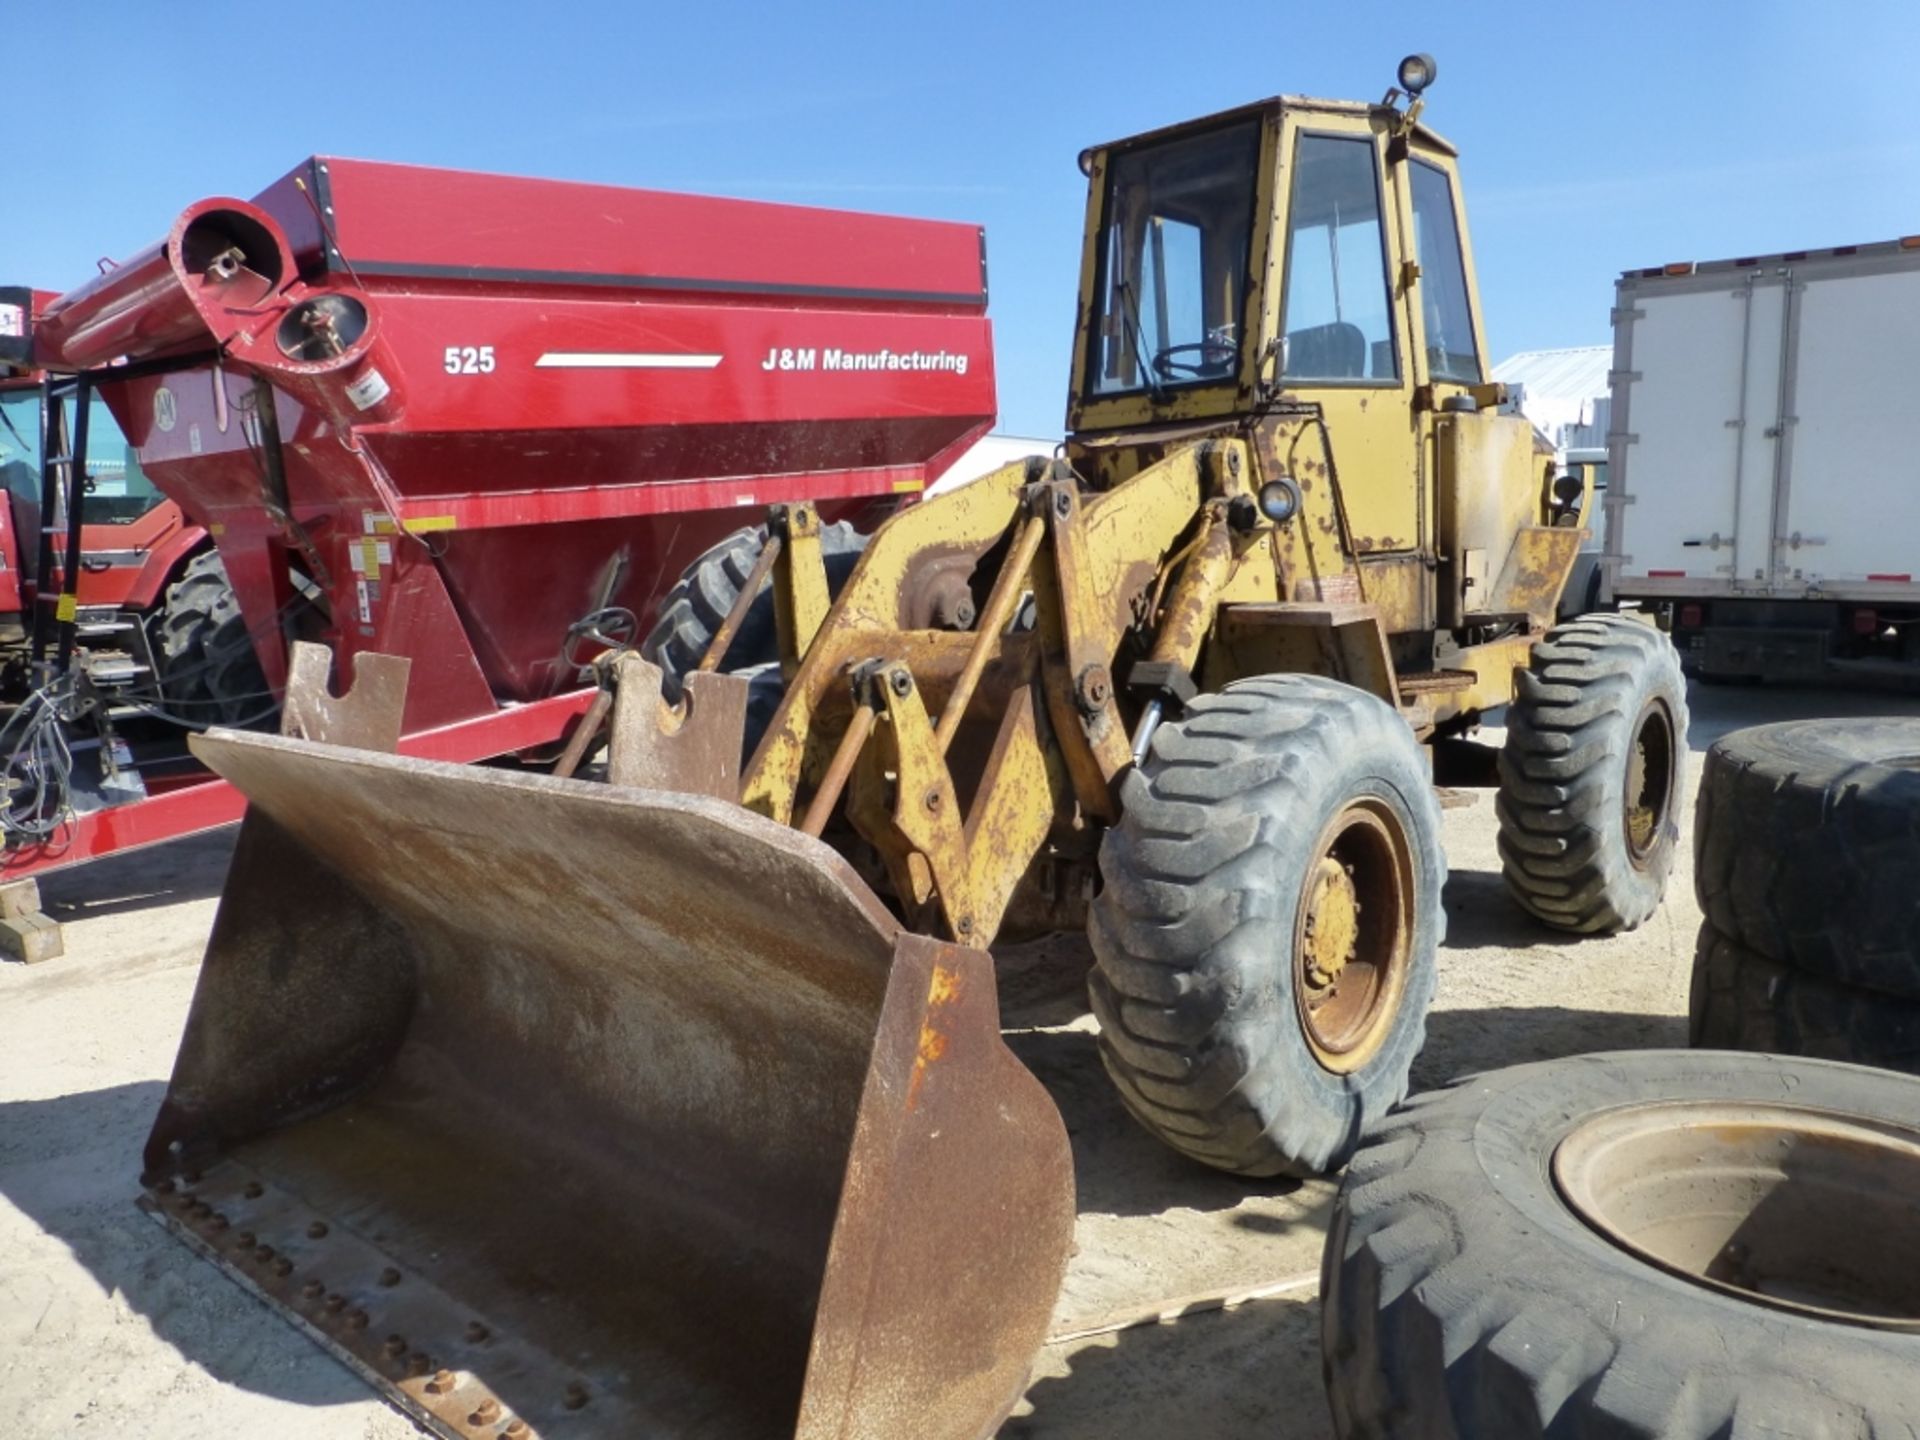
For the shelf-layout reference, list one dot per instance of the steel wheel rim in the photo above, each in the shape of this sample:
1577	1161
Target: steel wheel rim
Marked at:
1353	935
1791	1207
1646	800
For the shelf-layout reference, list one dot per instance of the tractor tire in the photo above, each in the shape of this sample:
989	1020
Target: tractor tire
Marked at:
700	600
1591	775
209	673
1743	1000
1807	847
1281	839
1545	1250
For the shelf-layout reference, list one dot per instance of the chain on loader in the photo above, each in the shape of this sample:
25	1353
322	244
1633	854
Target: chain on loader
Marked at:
677	1104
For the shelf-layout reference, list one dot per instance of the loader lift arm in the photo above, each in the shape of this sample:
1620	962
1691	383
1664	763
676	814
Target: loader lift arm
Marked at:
933	745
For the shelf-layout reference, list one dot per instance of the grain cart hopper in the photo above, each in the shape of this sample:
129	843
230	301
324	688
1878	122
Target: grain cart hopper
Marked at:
477	421
704	1058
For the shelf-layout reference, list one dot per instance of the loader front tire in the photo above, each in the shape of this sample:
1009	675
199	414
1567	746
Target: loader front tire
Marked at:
1591	775
698	604
1264	941
209	673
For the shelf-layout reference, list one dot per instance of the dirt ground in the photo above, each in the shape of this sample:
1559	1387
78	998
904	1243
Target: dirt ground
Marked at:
109	1327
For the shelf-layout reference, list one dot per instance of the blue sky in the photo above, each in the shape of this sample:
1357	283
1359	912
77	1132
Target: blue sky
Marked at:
1595	137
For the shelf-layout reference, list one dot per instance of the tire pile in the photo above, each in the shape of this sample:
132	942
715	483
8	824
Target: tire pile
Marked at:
1807	863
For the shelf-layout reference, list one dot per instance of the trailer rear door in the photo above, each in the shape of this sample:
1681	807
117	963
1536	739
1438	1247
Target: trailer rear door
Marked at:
1850	501
1695	448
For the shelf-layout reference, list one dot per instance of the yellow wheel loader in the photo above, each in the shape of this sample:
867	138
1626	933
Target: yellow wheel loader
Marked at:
675	1103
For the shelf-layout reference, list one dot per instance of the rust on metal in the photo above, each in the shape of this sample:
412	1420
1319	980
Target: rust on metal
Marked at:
468	1018
736	614
368	716
692	748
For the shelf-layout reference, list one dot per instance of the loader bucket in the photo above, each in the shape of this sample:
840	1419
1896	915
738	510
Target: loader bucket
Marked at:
561	1109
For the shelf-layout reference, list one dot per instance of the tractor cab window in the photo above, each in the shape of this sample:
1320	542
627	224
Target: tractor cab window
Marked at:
20	442
1451	352
120	491
1172	283
1339	314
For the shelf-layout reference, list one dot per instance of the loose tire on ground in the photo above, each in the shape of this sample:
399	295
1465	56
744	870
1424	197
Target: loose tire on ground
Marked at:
1252	1015
1464	1296
1591	775
1743	1000
698	603
1807	847
209	673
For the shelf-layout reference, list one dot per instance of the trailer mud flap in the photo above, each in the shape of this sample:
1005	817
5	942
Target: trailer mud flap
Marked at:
563	1109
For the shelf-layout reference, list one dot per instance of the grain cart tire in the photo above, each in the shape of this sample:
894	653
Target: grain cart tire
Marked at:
1590	776
1281	841
1743	1000
699	601
1807	847
209	673
1650	1243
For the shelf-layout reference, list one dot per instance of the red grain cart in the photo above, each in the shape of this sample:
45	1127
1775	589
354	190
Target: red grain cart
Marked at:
455	417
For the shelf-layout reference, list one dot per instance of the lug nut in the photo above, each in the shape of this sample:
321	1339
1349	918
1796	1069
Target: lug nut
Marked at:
389	1277
317	1230
576	1395
336	1302
313	1290
476	1332
419	1363
485	1413
441	1383
263	1253
245	1240
396	1345
516	1428
254	1190
283	1267
217	1221
357	1319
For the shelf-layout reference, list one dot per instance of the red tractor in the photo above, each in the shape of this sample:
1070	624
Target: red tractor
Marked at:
152	599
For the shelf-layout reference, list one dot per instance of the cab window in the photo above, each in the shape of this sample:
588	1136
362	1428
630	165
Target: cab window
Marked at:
1172	282
1339	316
1451	351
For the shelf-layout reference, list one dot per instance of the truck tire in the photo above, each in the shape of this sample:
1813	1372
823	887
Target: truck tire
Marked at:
1543	1250
1590	776
1807	847
698	604
209	673
1282	840
1742	1000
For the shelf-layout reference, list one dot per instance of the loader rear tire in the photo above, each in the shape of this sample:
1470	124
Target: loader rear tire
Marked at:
1489	1273
1807	847
209	673
697	605
1264	941
1743	1000
1591	775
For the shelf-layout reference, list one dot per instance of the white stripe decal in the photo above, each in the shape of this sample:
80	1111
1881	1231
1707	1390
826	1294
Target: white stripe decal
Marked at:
616	360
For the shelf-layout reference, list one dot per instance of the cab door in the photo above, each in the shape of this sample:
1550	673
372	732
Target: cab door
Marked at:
1344	345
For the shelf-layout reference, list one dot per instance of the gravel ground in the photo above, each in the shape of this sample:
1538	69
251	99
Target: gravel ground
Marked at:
109	1327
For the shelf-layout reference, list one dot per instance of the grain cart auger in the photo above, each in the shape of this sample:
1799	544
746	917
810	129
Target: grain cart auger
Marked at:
678	1100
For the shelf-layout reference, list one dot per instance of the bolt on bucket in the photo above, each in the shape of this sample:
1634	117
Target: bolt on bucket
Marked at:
565	1109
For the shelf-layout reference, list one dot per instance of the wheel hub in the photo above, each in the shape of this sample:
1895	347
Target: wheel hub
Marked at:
1331	928
1791	1207
1353	935
1647	796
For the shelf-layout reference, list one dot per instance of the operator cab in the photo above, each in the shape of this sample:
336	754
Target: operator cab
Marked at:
1295	245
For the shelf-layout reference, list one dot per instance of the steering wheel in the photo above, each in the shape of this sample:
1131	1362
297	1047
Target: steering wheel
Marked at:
1214	354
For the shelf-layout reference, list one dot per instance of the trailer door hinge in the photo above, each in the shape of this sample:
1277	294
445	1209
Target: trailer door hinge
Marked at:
1625	312
1796	540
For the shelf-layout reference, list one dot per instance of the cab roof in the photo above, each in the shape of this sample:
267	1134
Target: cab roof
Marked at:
1271	105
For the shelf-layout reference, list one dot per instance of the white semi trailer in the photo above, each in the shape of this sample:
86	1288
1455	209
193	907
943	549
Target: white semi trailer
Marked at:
1764	460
